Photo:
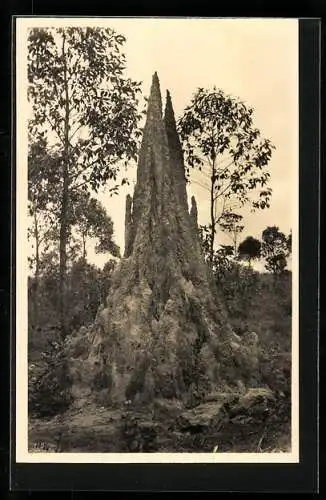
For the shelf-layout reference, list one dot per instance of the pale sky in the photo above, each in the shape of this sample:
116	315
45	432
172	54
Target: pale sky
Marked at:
253	59
256	60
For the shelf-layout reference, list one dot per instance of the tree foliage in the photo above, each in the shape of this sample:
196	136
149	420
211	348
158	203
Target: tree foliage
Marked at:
90	220
87	219
249	249
82	100
289	243
217	132
49	385
85	110
87	287
230	223
276	248
42	196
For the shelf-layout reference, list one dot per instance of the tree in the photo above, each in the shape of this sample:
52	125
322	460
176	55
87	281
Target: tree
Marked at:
230	224
42	208
276	248
289	243
90	220
249	249
84	283
219	138
86	108
222	261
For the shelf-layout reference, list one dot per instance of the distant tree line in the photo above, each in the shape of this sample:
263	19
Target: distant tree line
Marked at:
274	249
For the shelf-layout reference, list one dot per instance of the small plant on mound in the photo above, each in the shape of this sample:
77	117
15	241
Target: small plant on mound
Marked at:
49	387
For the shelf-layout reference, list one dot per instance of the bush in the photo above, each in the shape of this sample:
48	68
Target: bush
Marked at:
137	433
276	371
49	385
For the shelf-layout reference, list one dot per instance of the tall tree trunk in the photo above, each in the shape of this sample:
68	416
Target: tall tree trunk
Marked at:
37	266
64	225
84	246
213	221
235	241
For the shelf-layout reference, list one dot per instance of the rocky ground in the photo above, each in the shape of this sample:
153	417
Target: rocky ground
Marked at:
256	421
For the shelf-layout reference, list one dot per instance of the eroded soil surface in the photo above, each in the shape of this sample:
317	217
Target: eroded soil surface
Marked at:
165	427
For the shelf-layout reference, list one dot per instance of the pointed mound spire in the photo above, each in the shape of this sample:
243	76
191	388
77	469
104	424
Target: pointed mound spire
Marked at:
194	212
169	112
169	120
175	150
154	109
153	163
161	332
171	130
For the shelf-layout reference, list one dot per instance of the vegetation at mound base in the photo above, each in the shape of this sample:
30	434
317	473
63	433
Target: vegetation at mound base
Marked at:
256	302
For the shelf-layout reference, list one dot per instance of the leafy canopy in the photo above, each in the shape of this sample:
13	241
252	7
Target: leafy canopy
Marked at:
81	99
249	249
276	248
218	129
90	219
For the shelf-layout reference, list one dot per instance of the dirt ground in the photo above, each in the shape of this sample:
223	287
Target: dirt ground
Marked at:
91	429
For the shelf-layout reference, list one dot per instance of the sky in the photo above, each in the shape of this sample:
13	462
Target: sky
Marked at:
253	59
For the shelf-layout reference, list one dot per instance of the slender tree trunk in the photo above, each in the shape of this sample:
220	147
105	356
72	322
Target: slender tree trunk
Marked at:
37	266
213	220
84	246
64	225
235	244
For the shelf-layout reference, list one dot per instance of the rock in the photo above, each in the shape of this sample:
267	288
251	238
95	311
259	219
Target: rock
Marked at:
167	407
236	338
241	387
138	432
235	346
255	401
257	394
202	416
251	338
220	397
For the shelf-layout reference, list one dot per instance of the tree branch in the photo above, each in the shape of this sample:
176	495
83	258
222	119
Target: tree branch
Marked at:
78	174
83	171
217	219
55	130
222	192
73	188
227	166
72	135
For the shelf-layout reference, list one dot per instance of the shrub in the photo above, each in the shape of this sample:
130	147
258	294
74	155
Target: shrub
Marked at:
102	380
276	371
49	385
138	434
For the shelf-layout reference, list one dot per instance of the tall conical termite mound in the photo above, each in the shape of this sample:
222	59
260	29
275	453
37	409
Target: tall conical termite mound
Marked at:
162	331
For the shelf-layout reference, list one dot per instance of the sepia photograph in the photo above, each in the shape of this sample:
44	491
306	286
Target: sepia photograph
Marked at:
157	180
